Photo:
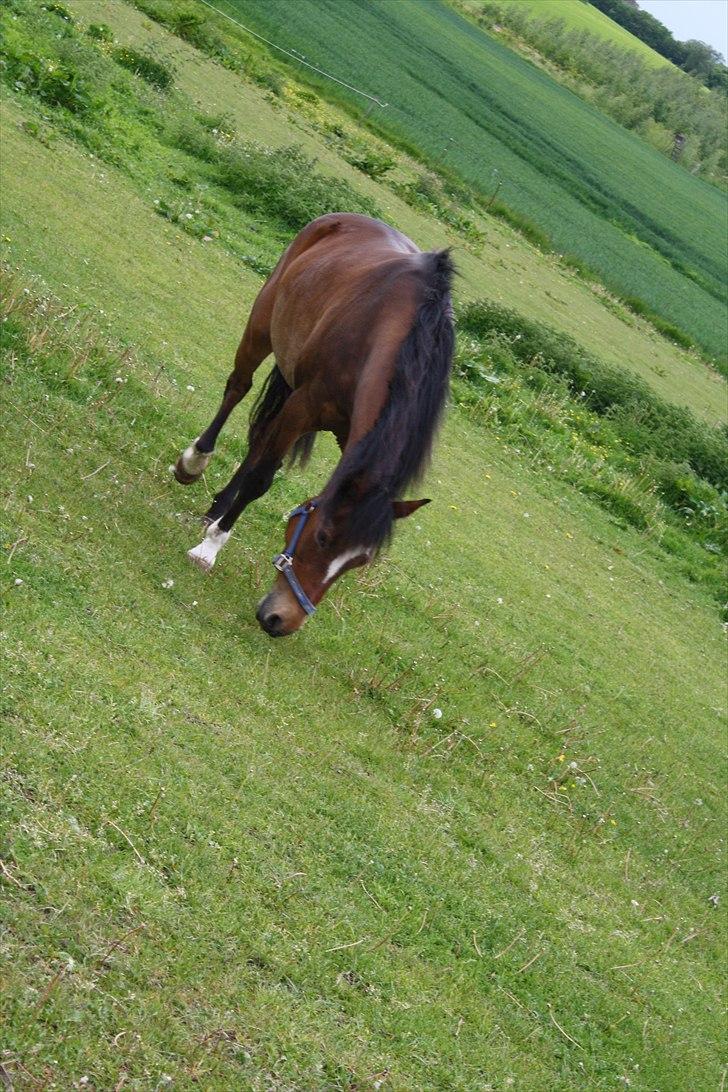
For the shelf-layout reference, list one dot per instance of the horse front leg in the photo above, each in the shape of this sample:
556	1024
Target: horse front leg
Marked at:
252	479
253	349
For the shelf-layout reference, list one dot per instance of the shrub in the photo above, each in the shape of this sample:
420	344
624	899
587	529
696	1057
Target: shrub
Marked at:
667	329
63	80
144	64
644	422
100	32
192	137
58	9
703	506
372	158
283	183
192	212
191	23
428	192
265	78
222	126
615	456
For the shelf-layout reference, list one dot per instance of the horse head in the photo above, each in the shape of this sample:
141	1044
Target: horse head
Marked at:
318	549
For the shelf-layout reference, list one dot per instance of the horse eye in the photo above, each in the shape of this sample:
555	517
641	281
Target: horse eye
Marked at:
322	539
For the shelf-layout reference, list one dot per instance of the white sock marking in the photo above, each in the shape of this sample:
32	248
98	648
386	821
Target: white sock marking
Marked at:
205	554
194	461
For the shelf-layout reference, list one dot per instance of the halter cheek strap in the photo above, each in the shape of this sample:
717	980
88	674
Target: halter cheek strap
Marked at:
284	561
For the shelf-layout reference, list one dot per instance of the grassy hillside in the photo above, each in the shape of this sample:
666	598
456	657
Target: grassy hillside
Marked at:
502	266
231	863
645	226
579	15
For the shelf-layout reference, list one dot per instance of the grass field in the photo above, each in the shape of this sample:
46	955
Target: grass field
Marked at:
643	224
228	863
579	15
506	268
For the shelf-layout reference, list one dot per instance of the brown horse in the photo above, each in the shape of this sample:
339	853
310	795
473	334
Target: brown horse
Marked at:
360	322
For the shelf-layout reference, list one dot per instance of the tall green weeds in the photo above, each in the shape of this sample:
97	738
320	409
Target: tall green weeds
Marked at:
120	103
649	463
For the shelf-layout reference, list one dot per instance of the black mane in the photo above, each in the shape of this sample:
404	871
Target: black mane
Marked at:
396	451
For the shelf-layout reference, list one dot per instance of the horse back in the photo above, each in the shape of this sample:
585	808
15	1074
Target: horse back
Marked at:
345	284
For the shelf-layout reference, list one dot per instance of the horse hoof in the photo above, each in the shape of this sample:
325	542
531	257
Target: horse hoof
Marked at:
205	553
182	475
191	464
201	558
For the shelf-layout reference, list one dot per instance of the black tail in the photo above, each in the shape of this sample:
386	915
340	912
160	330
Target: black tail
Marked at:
269	403
396	451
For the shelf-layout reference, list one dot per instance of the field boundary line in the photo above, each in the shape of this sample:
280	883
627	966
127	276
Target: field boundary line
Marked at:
295	56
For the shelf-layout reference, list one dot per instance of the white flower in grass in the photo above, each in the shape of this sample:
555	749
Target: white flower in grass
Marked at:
18	582
190	387
167	584
437	713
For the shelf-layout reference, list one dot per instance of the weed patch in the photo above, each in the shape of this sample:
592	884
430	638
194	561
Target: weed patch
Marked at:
108	99
156	72
645	423
651	465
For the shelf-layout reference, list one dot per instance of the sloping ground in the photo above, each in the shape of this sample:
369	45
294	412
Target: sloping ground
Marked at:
645	225
578	15
269	865
228	863
507	269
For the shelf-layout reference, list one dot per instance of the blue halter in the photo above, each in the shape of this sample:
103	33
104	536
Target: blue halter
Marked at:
284	561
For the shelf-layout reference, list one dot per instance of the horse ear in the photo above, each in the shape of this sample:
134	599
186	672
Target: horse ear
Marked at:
406	508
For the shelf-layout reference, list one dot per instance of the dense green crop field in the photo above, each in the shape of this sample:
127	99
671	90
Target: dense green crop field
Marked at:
229	863
460	96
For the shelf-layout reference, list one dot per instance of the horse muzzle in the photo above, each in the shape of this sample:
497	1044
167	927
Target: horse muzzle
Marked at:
276	617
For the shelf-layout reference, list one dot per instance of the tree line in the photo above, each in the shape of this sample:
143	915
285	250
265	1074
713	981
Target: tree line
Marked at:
697	58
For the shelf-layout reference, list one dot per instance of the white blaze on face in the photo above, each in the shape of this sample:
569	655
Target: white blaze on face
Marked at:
204	555
339	562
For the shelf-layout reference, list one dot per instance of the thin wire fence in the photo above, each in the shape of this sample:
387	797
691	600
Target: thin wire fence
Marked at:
296	57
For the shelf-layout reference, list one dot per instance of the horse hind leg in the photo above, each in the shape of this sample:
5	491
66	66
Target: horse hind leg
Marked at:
253	349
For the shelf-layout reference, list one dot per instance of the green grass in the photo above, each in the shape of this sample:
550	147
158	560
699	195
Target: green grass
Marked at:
651	465
241	864
578	15
506	269
180	786
643	224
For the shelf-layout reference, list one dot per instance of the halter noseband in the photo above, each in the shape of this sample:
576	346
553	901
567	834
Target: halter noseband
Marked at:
284	561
